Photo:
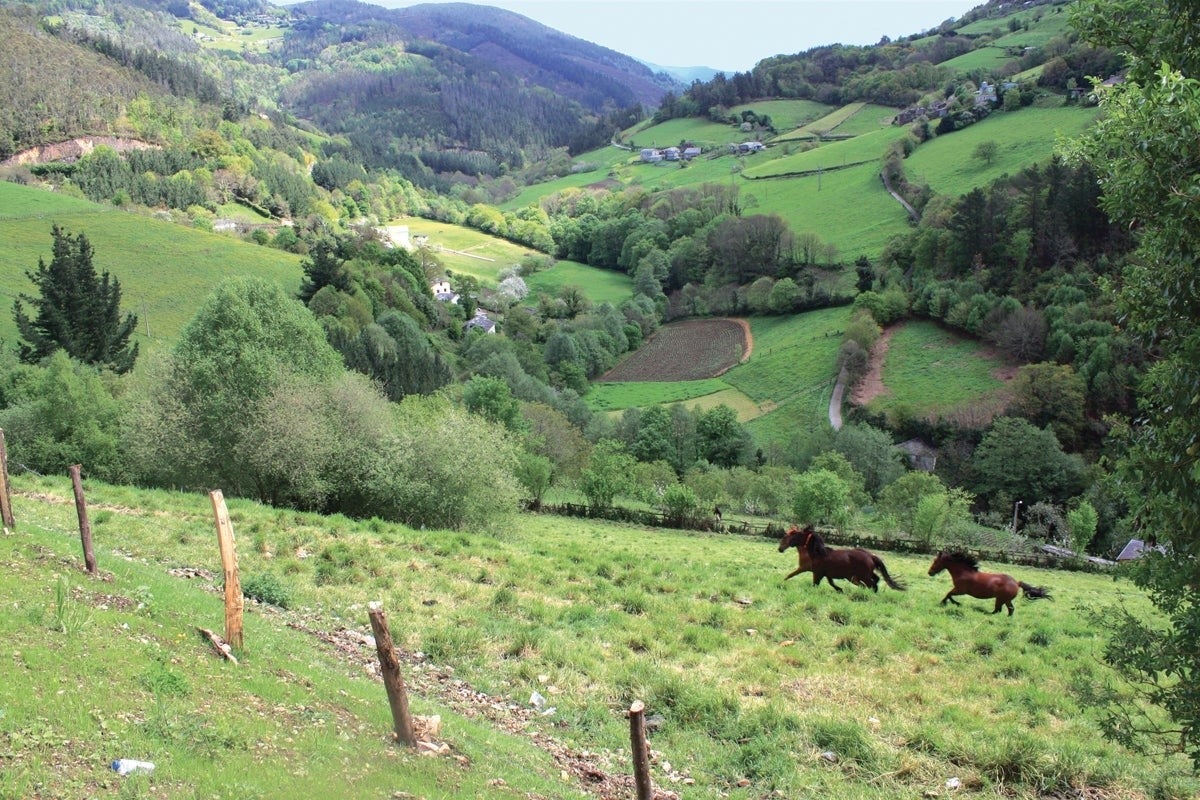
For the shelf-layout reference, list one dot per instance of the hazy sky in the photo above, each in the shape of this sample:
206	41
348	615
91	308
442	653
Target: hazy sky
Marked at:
730	35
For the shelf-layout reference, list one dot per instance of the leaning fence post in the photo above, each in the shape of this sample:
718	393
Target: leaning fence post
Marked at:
641	751
6	513
233	586
85	528
393	681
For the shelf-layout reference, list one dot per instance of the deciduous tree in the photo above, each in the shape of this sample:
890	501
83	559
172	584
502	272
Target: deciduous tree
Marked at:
1144	152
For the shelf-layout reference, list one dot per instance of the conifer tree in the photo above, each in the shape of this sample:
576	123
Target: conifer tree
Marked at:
77	310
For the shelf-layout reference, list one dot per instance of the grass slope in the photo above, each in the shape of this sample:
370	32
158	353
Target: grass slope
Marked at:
929	370
791	373
166	270
754	679
1024	137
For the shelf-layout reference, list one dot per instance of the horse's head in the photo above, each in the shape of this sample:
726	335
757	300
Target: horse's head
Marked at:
939	563
793	538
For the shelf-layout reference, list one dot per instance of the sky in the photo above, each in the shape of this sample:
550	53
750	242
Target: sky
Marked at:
729	35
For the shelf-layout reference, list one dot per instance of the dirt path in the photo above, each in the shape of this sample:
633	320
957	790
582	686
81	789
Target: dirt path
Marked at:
871	386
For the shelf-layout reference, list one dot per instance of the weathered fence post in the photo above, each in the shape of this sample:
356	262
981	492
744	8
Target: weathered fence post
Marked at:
641	751
85	528
6	513
393	681
233	586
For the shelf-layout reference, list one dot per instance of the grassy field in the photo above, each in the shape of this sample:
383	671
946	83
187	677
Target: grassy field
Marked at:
598	285
846	208
1024	137
869	147
619	395
785	114
466	251
929	370
762	688
165	269
790	373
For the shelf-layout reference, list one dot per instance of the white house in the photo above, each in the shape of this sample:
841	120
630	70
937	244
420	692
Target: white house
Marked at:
441	290
651	155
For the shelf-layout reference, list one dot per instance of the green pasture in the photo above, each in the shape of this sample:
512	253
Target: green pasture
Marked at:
619	395
702	132
930	370
467	251
847	208
791	372
785	114
531	195
598	285
988	59
832	155
752	679
165	269
867	119
1025	137
833	119
1039	17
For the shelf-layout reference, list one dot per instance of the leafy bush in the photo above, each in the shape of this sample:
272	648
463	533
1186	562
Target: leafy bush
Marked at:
265	587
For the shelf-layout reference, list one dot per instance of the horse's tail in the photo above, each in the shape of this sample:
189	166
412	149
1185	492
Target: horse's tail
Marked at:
1035	592
895	583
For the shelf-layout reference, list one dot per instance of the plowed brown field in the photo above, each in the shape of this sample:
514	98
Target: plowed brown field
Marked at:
687	351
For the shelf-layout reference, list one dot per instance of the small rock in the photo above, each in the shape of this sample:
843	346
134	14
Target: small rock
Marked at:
744	782
654	722
536	700
953	783
830	756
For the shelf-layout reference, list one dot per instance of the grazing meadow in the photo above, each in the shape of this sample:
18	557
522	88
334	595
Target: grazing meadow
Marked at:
164	268
529	641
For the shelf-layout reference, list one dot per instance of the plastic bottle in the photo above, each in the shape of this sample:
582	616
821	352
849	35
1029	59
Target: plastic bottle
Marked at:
124	766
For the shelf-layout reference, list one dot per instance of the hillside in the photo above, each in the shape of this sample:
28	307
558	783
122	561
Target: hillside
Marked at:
164	268
752	682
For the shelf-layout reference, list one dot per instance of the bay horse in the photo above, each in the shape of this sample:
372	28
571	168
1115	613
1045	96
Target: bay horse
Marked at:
857	565
968	580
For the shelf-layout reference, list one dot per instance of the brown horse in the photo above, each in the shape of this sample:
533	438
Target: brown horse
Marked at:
857	565
968	580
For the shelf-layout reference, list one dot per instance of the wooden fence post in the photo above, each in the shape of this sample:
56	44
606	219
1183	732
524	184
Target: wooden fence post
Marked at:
85	528
393	681
641	751
233	586
6	513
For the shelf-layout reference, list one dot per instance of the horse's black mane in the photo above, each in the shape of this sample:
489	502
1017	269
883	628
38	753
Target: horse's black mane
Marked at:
965	559
816	545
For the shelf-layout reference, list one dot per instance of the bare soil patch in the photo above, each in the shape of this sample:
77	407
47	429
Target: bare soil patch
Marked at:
687	351
871	386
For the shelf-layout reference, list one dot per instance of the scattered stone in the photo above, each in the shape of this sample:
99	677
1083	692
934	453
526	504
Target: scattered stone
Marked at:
830	756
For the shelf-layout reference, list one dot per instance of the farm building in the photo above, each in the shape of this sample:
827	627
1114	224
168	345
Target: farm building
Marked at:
651	155
441	291
919	454
671	153
1136	548
481	321
751	147
691	152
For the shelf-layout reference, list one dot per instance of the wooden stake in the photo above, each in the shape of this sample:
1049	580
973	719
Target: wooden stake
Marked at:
85	528
6	513
641	751
393	681
233	586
